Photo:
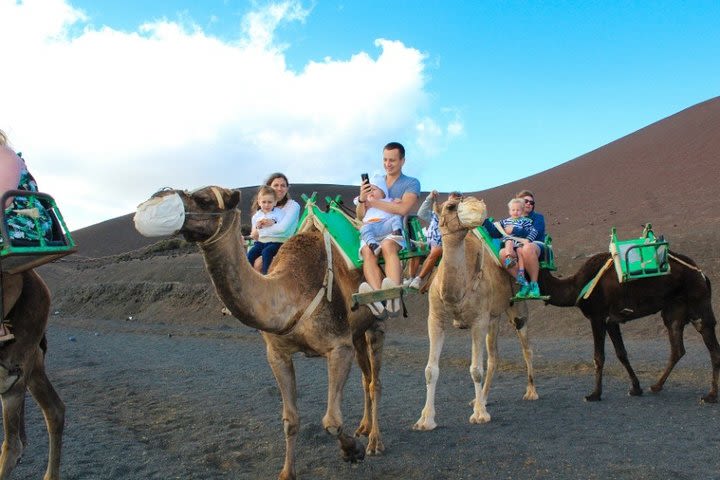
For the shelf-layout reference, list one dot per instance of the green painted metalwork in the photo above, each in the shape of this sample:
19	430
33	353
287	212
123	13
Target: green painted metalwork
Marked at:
347	236
642	257
548	261
17	256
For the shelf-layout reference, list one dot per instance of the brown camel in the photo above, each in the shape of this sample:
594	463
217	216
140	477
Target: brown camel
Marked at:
26	302
682	296
472	290
290	307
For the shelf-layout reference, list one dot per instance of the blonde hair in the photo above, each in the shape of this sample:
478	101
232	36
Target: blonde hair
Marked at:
3	139
263	190
517	200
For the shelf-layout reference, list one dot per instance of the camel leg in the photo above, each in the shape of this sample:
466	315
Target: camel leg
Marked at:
12	446
673	317
284	371
707	330
613	330
370	362
598	330
530	392
54	412
339	362
491	346
436	332
362	355
480	331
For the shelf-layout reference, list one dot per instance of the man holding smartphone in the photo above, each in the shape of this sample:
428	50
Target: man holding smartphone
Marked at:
407	190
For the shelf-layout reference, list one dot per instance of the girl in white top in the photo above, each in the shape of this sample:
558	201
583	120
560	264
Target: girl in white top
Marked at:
285	228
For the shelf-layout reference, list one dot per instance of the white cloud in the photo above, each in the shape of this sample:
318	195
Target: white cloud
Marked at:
105	117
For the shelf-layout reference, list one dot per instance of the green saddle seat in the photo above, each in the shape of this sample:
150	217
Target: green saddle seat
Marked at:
18	255
646	256
345	233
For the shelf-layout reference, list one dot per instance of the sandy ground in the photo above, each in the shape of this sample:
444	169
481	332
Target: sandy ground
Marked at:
154	401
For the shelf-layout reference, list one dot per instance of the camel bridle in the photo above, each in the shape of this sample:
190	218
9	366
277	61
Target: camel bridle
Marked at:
219	231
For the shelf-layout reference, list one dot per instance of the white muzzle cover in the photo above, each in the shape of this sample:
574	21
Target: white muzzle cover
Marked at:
472	212
160	216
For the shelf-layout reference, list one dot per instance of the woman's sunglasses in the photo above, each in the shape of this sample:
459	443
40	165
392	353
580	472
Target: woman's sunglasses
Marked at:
531	202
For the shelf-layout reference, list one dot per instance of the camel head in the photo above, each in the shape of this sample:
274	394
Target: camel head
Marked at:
197	215
461	215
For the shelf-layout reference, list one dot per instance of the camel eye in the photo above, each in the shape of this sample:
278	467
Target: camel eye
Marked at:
452	207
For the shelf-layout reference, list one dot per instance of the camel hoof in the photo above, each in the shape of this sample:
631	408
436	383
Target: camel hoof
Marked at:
531	395
710	398
424	426
375	447
656	388
351	450
593	397
362	431
636	392
478	418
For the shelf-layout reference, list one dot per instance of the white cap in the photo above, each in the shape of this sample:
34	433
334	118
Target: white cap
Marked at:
379	182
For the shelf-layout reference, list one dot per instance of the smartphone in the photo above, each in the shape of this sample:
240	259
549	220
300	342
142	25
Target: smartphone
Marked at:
364	178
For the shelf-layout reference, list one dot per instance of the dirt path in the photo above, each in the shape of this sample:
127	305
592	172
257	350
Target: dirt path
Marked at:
150	402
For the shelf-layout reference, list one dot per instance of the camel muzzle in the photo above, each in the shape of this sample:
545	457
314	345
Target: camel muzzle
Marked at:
160	216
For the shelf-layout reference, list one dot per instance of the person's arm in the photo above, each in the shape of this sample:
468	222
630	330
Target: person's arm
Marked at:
405	206
286	226
490	228
425	210
538	221
9	171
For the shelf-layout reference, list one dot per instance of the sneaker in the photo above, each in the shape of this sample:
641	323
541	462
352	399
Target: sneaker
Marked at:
407	281
377	308
392	305
534	290
509	262
521	280
416	283
523	292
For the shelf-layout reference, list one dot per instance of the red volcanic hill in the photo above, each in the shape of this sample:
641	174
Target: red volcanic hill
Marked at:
666	174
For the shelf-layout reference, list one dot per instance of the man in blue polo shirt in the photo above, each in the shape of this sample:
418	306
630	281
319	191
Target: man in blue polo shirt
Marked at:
407	190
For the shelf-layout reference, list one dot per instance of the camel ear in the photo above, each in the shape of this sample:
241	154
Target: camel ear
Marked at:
234	199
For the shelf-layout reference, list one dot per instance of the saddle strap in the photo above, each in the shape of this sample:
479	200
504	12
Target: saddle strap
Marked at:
588	289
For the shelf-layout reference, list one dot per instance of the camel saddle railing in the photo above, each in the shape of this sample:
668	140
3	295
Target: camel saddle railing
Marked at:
345	234
642	257
18	255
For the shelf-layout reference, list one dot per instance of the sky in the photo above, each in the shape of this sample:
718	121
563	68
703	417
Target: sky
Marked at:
111	101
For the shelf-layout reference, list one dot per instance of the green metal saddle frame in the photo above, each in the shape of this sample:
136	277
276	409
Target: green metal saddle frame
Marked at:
19	255
343	229
642	257
547	262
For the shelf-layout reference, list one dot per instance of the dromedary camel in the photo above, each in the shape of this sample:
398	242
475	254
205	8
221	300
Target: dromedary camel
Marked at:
26	302
471	290
290	307
682	296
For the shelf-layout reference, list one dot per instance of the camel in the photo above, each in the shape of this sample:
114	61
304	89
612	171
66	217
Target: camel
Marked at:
682	296
471	290
26	302
290	308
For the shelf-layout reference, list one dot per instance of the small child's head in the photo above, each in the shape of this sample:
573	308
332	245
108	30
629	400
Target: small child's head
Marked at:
378	188
266	198
516	207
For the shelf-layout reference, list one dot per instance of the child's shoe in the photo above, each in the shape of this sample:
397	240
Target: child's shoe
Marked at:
524	291
509	262
534	290
416	283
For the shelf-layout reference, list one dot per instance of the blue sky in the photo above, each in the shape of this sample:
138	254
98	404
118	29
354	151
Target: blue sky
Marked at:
111	100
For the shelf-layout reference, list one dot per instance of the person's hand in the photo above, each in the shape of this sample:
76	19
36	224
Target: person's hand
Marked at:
434	194
365	190
255	234
508	229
